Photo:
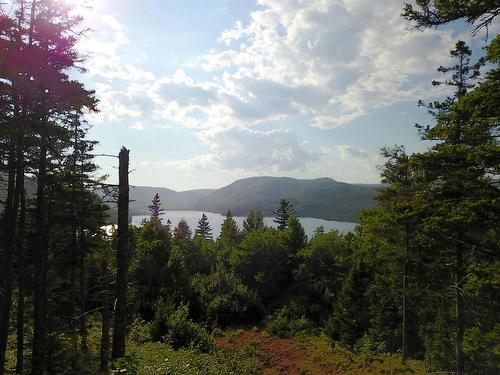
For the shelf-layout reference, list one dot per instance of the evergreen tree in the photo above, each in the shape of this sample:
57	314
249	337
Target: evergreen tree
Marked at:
203	229
182	233
350	318
38	52
155	209
434	13
253	221
458	170
283	213
295	235
229	233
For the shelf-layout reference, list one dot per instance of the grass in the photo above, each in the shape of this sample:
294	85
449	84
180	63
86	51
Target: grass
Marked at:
241	351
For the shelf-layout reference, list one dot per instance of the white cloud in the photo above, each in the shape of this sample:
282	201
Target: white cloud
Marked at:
352	56
350	152
137	126
327	62
324	63
248	150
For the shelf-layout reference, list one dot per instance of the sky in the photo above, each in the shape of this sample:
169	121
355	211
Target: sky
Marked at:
204	92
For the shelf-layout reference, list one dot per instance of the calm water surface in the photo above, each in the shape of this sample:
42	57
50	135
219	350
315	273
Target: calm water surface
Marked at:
215	220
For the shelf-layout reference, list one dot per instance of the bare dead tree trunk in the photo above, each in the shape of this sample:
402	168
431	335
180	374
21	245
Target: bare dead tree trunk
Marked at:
120	321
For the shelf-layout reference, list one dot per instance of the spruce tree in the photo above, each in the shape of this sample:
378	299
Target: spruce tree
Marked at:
349	320
253	221
155	209
434	13
182	233
283	212
203	229
458	170
229	234
295	235
37	55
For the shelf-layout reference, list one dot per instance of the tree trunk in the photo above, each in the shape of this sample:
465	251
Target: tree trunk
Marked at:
459	311
21	267
72	293
83	292
7	254
404	328
40	262
105	339
404	344
120	321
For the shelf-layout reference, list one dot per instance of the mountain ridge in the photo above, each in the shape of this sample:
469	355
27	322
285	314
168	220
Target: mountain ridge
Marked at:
323	198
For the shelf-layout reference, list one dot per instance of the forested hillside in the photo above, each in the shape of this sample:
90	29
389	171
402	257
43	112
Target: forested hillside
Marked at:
414	289
321	198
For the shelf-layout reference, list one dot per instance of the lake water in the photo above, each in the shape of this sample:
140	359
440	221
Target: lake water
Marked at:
215	220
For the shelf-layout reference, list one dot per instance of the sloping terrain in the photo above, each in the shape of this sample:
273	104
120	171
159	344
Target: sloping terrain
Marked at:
141	197
312	356
322	198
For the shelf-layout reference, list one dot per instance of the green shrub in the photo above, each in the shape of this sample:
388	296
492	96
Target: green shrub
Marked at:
369	346
128	365
163	309
285	325
225	299
140	331
184	333
176	328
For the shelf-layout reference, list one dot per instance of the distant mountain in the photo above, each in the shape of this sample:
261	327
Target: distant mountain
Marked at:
322	198
141	197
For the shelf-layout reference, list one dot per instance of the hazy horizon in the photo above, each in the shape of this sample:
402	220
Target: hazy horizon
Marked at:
220	187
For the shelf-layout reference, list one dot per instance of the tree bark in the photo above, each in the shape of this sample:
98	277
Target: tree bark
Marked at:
7	254
105	339
459	311
83	293
120	321
40	261
21	266
404	328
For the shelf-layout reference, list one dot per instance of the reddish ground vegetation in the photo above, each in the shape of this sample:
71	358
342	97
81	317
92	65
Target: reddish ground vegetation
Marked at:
279	356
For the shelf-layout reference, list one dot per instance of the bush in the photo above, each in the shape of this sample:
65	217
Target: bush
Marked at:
225	299
163	309
369	346
184	333
140	331
285	325
174	327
